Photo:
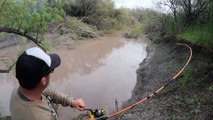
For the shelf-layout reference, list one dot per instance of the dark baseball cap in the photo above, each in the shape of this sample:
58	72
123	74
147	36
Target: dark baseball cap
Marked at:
34	64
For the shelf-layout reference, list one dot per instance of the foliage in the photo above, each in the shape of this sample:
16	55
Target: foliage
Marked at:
190	19
195	103
82	30
192	105
28	16
100	13
80	8
137	30
144	20
168	23
199	36
184	82
122	16
148	18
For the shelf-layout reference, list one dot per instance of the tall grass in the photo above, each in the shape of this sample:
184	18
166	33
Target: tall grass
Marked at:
199	35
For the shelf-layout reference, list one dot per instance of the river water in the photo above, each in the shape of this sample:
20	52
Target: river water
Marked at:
100	71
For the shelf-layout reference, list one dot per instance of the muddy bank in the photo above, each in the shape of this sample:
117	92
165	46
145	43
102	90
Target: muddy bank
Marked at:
189	97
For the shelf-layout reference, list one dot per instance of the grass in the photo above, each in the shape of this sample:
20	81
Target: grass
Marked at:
192	106
199	36
184	82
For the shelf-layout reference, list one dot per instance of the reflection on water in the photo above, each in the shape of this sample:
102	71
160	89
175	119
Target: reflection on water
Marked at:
99	71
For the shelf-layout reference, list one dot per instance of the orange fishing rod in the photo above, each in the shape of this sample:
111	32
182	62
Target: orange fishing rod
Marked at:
104	117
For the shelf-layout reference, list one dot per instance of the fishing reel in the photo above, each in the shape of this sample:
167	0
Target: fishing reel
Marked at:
97	114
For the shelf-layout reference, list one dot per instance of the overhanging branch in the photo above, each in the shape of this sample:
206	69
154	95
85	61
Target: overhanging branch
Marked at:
8	70
24	34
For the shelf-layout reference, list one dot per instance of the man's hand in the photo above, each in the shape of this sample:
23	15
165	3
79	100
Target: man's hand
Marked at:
78	104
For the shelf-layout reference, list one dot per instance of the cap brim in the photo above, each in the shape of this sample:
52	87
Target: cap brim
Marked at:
55	60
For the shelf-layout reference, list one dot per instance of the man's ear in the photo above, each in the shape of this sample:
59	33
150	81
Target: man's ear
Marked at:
44	81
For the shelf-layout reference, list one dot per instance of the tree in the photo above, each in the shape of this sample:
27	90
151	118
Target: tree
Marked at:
174	7
27	18
193	10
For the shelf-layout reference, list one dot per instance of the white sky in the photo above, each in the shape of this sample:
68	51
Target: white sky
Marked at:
133	3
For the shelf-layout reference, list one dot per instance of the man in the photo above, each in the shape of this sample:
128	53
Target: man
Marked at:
33	100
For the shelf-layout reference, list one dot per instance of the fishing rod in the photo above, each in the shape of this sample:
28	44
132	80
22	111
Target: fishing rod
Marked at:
101	114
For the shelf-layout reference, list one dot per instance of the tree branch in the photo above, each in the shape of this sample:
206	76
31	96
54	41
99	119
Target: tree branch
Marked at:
7	71
24	34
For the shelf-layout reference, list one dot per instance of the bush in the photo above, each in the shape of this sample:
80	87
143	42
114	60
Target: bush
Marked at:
100	13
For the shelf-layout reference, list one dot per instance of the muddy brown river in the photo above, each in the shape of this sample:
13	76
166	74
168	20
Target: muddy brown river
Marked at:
100	71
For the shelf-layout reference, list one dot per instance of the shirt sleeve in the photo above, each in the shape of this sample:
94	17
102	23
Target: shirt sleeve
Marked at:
57	97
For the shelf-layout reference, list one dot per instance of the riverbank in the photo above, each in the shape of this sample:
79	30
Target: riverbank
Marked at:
189	97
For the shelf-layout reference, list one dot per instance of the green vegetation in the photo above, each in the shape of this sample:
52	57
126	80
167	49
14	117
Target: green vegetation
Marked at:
192	105
80	19
188	19
100	13
197	35
191	20
137	30
184	82
28	16
83	30
32	19
144	21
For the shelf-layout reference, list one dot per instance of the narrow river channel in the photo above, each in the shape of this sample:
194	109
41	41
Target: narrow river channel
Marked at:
100	71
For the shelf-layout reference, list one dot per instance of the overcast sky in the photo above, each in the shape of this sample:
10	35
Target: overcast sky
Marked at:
134	3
